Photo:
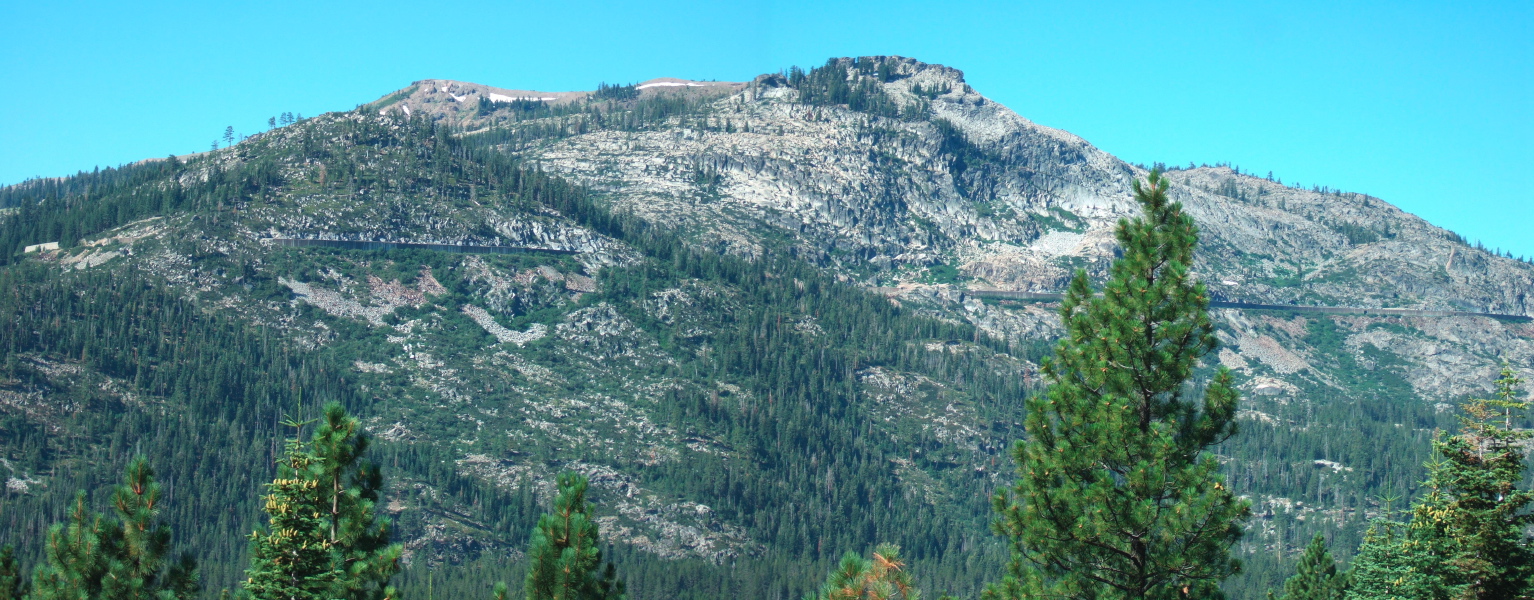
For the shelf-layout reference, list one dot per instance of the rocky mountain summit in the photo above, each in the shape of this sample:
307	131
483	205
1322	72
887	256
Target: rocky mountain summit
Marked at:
760	316
951	192
975	186
971	188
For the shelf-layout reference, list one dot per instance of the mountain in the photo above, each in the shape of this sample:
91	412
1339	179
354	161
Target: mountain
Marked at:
751	312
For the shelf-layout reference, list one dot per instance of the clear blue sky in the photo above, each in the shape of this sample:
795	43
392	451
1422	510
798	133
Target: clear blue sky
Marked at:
1427	105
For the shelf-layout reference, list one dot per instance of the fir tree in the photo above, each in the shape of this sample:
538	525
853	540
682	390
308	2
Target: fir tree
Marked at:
141	545
563	556
1316	577
881	577
323	540
1474	515
1116	496
1390	566
293	558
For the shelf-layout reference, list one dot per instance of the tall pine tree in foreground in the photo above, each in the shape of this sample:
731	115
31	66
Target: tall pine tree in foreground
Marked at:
123	558
75	554
564	559
351	489
1316	577
1474	516
323	540
1117	496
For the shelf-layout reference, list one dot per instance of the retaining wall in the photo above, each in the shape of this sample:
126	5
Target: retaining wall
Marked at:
1331	310
363	245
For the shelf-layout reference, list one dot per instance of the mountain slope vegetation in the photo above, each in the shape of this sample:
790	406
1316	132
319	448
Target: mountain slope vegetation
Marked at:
753	340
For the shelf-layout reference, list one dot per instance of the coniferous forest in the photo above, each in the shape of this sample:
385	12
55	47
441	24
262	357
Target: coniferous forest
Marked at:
203	427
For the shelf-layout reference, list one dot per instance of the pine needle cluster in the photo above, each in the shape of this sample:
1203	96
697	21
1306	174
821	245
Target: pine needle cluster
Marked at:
882	576
95	556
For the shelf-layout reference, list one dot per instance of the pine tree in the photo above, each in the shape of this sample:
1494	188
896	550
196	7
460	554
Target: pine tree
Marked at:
351	486
11	583
323	540
881	577
94	557
1117	496
563	555
141	545
1316	577
1474	515
75	558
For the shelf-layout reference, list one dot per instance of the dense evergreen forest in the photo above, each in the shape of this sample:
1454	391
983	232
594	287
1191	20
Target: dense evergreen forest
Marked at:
191	378
111	362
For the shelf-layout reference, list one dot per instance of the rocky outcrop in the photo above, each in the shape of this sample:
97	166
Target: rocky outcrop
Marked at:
516	367
1011	204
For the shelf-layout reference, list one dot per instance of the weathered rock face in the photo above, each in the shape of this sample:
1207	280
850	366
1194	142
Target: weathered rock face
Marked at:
959	192
478	105
1011	204
510	364
850	187
975	185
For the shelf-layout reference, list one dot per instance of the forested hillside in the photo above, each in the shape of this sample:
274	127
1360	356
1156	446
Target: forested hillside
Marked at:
740	314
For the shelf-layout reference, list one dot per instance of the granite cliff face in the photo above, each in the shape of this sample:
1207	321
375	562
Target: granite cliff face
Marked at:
519	367
973	185
1009	204
967	195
